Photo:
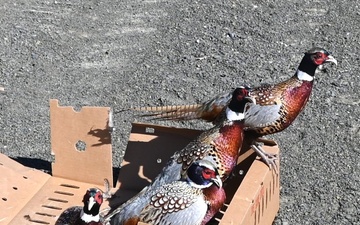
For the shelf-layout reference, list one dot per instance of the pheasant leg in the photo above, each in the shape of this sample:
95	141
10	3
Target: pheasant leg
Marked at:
268	158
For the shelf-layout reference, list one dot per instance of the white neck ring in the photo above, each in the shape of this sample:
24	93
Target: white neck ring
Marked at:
304	76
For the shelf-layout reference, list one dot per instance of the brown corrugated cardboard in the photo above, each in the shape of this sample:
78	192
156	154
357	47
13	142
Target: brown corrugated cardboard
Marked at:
88	126
33	197
18	184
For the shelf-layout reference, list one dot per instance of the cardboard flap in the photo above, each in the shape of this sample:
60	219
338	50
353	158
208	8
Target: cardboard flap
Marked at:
18	184
81	143
256	201
56	195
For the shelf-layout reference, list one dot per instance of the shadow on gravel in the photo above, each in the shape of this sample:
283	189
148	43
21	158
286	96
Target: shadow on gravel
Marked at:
38	164
45	166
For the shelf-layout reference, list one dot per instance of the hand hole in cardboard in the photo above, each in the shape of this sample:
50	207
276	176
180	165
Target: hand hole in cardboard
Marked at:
80	146
70	186
27	217
64	193
58	200
51	207
45	214
149	130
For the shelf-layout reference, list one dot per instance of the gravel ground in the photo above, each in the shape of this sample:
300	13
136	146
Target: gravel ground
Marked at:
135	53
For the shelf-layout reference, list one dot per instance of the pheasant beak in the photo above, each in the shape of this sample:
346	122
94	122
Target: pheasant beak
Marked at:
331	59
217	181
91	203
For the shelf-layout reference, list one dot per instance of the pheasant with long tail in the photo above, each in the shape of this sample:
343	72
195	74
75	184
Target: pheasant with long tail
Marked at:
276	106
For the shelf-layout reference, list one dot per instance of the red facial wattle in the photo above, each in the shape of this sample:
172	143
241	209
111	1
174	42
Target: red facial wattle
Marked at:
99	198
320	58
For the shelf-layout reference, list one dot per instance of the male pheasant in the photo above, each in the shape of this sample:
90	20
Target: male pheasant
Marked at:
275	108
219	145
193	200
89	214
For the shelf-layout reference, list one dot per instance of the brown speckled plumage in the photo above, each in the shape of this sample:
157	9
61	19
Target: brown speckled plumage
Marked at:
282	94
186	201
221	144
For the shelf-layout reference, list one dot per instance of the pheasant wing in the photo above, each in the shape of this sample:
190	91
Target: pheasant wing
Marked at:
258	116
175	203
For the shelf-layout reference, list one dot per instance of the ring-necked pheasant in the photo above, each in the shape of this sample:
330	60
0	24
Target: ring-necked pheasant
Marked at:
89	214
219	145
193	200
276	106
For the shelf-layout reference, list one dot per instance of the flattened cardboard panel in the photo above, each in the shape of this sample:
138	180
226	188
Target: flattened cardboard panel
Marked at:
81	143
52	199
14	185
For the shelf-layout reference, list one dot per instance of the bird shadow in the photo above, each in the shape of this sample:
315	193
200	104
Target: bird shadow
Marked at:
102	134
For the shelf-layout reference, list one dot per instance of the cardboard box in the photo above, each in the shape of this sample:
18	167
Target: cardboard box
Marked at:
81	144
30	196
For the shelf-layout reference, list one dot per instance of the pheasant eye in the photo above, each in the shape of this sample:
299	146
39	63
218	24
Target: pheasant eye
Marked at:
241	94
319	55
208	174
